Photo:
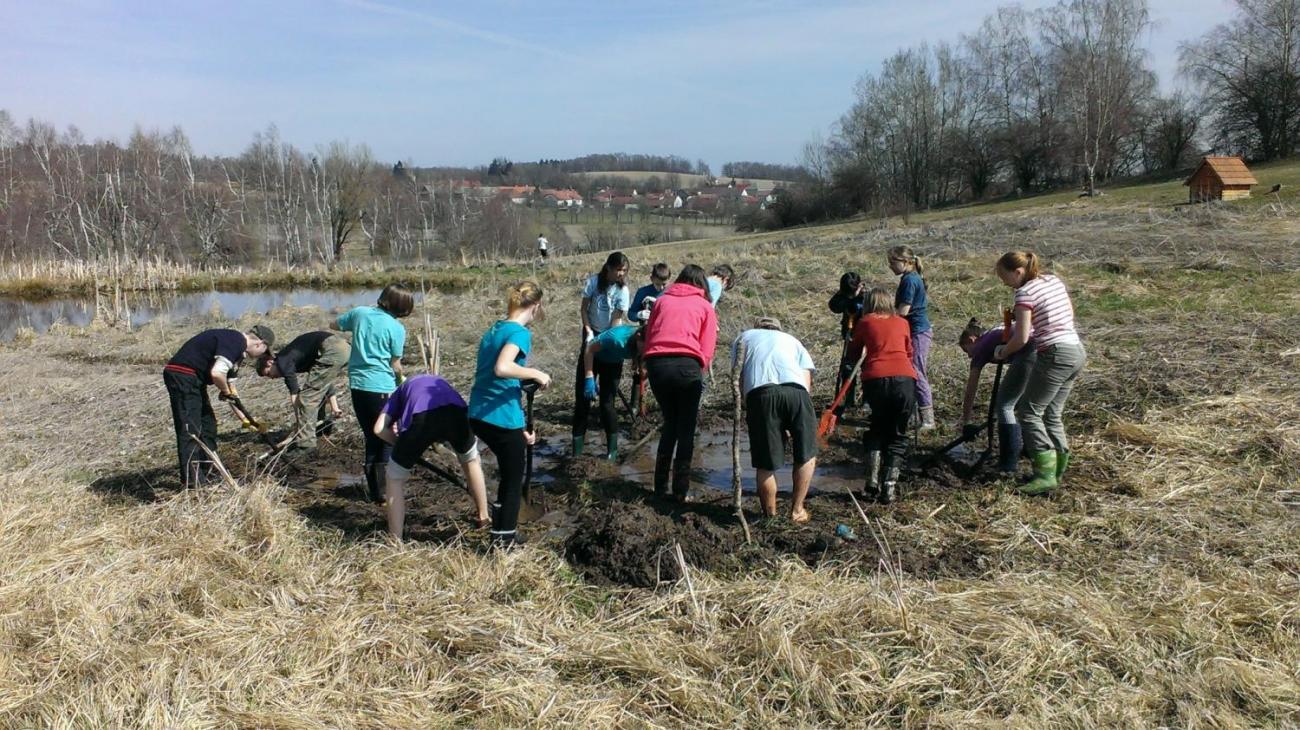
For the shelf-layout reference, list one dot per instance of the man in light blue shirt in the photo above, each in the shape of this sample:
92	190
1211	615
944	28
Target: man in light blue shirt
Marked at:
776	377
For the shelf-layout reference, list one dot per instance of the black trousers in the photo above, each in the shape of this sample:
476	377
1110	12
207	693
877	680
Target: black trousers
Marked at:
677	383
368	406
511	450
608	375
191	415
892	401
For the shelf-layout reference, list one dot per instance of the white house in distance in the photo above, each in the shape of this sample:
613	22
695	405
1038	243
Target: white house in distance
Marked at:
565	198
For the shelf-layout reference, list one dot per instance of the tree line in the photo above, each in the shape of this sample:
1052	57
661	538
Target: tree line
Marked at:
1064	95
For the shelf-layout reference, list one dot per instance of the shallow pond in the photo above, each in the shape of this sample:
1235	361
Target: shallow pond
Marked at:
16	314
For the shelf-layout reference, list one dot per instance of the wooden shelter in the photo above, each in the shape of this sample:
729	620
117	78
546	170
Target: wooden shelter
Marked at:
1220	178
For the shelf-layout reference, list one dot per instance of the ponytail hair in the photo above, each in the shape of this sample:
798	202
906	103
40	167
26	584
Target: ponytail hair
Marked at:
972	332
905	254
521	295
1028	260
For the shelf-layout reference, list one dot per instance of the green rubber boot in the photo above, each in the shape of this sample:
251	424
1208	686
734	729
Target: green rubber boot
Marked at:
1062	461
577	445
611	439
1044	480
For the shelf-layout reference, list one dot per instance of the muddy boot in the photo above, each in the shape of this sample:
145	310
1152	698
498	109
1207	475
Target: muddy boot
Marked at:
508	541
927	418
376	482
871	491
577	445
1044	480
1009	446
663	465
681	480
611	441
888	480
1062	461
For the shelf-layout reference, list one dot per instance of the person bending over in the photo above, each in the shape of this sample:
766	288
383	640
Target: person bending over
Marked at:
321	357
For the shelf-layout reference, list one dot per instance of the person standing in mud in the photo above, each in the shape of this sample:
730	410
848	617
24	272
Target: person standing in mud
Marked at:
679	342
610	347
1042	308
495	413
605	302
911	301
889	386
208	358
422	411
375	370
776	380
321	357
980	346
847	302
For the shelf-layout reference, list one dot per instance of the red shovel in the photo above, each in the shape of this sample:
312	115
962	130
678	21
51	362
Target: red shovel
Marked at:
828	421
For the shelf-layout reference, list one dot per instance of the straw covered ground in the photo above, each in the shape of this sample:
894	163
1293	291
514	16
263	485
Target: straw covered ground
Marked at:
1159	588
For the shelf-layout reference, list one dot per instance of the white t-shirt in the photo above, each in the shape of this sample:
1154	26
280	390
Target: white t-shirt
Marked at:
600	312
771	358
541	243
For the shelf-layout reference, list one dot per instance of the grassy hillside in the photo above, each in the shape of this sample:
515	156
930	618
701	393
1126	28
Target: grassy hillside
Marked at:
1157	589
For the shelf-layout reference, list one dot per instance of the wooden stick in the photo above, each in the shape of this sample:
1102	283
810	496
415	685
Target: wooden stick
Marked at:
736	366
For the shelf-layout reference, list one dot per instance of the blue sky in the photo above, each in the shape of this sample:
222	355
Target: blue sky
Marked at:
459	83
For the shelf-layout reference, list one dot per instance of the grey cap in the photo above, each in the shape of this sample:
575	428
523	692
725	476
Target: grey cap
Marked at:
263	333
768	323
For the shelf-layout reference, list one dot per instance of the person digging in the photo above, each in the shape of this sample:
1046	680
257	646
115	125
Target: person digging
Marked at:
208	358
425	410
321	357
610	347
776	379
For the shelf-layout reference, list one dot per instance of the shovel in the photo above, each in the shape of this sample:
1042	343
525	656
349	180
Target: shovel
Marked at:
250	423
527	511
829	418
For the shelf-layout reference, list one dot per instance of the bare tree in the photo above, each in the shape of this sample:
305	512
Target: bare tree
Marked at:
1248	70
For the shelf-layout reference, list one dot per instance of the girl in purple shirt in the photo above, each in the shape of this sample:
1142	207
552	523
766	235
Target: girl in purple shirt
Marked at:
979	344
422	411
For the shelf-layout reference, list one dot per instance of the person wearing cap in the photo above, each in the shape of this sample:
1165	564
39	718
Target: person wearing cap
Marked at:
321	357
208	358
776	380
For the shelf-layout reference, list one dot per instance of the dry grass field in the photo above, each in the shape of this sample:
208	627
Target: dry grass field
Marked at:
1157	589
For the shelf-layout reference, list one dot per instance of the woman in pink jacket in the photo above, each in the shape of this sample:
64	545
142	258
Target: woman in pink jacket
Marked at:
679	342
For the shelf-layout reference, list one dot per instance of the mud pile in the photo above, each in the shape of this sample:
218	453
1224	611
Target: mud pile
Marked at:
632	544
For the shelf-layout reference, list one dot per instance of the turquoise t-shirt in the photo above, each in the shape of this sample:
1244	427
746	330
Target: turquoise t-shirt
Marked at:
492	399
377	338
616	343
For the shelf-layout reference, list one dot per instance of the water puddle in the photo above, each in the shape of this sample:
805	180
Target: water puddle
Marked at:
712	468
339	482
80	311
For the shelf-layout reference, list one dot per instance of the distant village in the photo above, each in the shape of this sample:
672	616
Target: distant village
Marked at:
720	197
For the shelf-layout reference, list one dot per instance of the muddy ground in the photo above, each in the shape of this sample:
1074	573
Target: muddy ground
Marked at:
603	518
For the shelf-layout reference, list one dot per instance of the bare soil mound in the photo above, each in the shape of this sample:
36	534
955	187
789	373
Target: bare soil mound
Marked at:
633	544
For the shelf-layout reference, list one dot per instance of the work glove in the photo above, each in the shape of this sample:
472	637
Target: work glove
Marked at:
589	388
970	431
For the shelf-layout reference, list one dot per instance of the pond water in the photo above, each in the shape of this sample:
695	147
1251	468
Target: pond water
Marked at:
80	311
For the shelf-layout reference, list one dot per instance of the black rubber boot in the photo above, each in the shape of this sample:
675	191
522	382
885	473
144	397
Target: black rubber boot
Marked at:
1010	444
871	490
888	479
377	482
663	465
681	480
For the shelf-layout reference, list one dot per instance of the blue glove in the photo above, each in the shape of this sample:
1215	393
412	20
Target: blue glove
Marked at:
589	388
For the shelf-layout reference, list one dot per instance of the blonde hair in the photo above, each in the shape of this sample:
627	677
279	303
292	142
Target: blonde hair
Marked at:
523	294
879	301
1028	260
905	254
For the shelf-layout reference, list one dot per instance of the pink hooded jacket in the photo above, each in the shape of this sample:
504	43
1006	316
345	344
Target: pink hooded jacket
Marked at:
682	323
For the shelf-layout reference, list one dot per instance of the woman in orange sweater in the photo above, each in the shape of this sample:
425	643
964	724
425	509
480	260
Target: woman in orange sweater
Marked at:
884	340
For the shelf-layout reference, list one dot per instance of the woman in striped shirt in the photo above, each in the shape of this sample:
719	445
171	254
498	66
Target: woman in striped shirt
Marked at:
1042	308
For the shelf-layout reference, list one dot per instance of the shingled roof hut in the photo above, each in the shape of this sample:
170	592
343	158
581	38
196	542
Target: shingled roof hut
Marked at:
1220	178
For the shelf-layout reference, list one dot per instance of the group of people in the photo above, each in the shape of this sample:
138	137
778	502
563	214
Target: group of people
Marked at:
891	335
669	333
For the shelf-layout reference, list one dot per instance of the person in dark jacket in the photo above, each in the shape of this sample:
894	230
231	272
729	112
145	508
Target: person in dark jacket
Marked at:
321	357
208	358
